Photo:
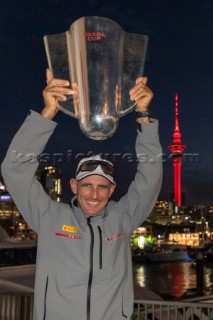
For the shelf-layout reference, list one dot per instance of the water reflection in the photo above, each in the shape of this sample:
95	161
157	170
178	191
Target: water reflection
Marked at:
174	279
208	277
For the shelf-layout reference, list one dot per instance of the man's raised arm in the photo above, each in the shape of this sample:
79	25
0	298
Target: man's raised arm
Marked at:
21	161
142	195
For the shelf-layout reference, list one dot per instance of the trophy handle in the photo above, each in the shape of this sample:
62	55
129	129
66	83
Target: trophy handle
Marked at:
134	55
57	57
127	110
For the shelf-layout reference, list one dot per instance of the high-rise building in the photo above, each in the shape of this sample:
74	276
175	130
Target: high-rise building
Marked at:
177	148
10	217
50	178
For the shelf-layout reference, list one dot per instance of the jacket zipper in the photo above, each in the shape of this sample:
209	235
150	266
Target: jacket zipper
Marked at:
100	248
45	297
91	269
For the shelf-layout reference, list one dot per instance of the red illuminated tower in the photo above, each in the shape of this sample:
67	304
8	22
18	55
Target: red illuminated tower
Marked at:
177	149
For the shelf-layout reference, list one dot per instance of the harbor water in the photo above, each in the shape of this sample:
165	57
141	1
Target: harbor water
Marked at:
171	280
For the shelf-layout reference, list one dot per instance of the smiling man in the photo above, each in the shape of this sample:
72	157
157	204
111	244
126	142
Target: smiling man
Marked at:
84	267
93	184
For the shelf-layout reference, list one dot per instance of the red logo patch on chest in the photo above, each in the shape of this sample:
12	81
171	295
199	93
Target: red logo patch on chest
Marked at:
58	234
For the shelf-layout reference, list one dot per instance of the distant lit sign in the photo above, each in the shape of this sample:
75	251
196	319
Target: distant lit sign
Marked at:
5	197
141	242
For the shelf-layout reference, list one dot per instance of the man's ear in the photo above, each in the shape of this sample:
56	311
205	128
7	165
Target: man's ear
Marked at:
73	185
112	188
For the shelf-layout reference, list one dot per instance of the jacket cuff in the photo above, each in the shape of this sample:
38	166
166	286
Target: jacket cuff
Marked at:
139	126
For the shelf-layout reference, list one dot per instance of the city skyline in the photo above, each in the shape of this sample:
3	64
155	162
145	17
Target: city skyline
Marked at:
179	60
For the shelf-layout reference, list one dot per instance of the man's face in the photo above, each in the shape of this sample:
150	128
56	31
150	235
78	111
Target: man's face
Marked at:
93	193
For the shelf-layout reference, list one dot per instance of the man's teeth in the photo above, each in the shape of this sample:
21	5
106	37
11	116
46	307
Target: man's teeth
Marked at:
92	203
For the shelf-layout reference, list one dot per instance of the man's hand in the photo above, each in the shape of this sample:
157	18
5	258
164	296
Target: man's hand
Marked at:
54	91
142	95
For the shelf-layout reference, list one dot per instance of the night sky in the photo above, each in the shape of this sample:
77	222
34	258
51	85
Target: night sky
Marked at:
179	60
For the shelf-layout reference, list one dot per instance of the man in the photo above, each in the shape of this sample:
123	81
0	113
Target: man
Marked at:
84	268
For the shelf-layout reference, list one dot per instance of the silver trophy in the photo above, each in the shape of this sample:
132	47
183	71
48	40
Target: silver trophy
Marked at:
101	61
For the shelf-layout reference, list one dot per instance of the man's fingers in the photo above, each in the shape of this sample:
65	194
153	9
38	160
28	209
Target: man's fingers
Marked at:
49	75
138	91
58	83
59	93
141	94
58	89
141	80
61	89
139	86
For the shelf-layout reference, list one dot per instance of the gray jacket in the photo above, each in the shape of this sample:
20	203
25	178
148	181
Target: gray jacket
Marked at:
84	268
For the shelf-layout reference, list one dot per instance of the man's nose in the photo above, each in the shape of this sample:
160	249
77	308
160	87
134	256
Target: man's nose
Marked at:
94	193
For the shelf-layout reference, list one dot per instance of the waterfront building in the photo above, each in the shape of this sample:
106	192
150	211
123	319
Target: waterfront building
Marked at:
167	213
50	178
9	214
162	212
189	225
11	219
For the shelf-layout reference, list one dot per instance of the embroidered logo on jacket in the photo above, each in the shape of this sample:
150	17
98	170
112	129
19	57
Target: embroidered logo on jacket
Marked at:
71	229
118	235
58	234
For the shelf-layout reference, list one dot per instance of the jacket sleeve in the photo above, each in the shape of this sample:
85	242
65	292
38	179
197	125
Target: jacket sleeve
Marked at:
20	164
143	192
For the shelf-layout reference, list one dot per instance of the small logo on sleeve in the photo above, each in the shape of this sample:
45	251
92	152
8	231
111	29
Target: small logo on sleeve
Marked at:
118	235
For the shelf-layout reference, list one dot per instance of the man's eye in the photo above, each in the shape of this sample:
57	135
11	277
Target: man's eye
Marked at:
103	187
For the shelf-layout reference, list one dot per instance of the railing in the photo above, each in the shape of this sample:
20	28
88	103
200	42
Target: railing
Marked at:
171	310
19	306
16	306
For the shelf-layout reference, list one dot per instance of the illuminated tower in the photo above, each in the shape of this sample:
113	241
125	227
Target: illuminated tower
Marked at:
177	149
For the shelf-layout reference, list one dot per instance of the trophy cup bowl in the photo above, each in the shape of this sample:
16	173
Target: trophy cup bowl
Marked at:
101	61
